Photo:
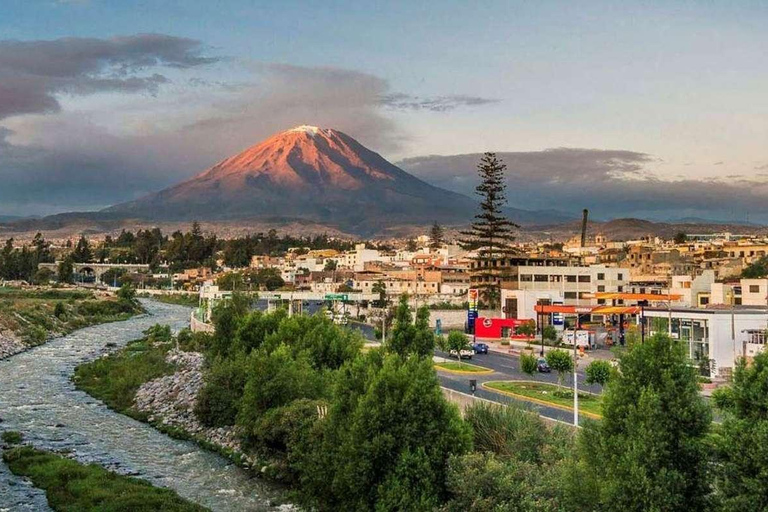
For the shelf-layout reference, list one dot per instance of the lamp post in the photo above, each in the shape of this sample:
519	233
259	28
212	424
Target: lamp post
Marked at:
575	373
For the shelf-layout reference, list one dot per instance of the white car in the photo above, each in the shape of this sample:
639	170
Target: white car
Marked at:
463	353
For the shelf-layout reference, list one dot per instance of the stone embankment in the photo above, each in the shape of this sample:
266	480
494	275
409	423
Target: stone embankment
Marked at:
10	344
170	401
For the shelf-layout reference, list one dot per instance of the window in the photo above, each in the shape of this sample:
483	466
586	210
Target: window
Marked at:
620	289
585	279
541	278
620	276
555	279
570	279
600	288
526	278
570	295
754	288
601	276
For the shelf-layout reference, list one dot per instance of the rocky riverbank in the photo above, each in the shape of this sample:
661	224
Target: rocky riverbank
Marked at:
10	344
33	316
169	401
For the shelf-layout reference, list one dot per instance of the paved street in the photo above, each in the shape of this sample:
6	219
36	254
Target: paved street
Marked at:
507	367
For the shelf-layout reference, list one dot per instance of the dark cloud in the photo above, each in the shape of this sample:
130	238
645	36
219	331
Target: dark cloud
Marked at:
401	101
62	162
611	183
33	73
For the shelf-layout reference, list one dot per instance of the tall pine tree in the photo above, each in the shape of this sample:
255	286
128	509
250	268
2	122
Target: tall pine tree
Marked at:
491	233
436	236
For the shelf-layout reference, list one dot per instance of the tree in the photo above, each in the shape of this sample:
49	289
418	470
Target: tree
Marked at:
386	440
756	270
65	270
491	232
82	252
529	364
598	372
436	236
409	337
561	362
527	329
330	265
680	237
741	473
549	333
650	445
380	288
457	341
410	245
127	293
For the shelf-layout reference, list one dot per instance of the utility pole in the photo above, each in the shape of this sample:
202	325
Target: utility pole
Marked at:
576	374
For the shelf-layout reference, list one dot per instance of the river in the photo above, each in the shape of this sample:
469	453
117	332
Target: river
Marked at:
37	398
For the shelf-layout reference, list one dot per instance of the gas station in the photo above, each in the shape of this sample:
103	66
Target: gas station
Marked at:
614	315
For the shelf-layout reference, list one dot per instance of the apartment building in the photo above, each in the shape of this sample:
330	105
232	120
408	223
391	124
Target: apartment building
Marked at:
567	285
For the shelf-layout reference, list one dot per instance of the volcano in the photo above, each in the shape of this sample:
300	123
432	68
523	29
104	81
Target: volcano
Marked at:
306	173
309	174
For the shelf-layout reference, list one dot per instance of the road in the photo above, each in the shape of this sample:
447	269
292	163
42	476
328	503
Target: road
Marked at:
507	367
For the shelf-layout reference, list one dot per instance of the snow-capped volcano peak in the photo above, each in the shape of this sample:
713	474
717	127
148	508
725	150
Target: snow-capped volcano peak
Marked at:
305	128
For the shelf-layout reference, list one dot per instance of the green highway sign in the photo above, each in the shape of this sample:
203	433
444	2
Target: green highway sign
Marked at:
336	296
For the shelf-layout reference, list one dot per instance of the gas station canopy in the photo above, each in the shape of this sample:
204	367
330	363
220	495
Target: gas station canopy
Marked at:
595	310
651	297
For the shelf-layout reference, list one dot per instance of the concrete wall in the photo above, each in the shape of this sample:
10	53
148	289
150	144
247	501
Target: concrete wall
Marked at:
454	318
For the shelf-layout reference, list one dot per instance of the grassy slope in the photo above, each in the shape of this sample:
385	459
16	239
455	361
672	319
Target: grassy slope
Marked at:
32	313
71	486
114	379
549	393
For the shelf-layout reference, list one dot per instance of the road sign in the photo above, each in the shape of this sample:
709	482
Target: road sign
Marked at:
336	296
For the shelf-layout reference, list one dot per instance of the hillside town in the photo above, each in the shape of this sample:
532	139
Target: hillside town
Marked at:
704	289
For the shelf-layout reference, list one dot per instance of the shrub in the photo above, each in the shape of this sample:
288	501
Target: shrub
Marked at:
528	364
219	399
275	380
12	437
598	372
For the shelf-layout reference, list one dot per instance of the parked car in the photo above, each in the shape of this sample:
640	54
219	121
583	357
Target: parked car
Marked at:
480	348
542	366
464	354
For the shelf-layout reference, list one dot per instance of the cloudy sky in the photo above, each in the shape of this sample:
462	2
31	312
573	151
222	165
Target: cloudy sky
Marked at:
653	109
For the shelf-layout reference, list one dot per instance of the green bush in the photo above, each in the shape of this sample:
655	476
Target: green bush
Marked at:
12	437
598	372
528	364
71	486
219	399
275	380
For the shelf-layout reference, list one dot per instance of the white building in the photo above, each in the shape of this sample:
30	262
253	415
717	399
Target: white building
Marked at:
356	260
717	335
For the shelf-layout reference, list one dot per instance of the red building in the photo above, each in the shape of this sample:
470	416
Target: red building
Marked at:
486	327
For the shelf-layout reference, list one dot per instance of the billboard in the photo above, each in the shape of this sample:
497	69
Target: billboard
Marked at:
472	301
